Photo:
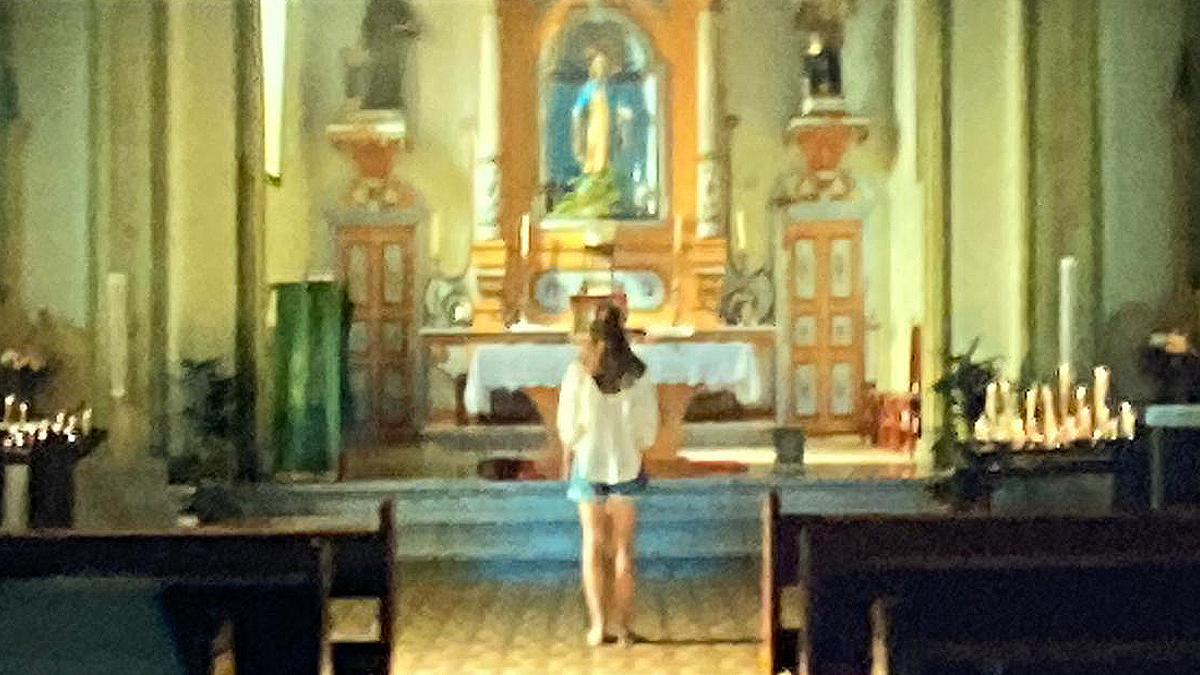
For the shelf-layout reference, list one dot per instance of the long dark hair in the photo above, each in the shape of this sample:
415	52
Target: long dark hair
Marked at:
619	367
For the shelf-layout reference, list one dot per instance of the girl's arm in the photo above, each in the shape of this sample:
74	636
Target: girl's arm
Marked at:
645	412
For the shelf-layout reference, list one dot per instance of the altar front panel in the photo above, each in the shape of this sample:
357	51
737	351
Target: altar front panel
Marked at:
449	355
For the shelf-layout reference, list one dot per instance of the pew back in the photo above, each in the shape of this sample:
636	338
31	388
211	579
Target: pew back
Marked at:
266	577
941	585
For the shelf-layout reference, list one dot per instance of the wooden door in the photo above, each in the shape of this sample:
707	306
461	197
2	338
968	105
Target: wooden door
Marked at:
826	315
378	265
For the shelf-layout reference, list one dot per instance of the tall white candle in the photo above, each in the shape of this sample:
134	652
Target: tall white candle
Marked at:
435	235
525	232
1066	308
677	235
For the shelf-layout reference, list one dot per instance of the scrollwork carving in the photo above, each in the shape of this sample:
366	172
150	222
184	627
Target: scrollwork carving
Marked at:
448	303
749	296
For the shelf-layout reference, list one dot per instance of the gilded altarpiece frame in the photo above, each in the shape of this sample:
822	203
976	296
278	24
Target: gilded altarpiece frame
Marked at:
507	279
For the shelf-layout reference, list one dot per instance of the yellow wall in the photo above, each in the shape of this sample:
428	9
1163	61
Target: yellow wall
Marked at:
201	187
988	179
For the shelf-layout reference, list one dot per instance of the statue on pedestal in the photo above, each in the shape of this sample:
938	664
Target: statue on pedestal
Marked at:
823	23
375	69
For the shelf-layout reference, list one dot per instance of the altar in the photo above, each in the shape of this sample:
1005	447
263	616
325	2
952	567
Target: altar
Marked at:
679	370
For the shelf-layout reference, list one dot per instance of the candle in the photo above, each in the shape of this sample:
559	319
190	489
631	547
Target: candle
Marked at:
1030	410
24	408
677	235
1066	308
1084	422
740	231
1049	423
1081	398
86	422
435	235
1018	433
1128	421
1100	384
1064	390
524	234
983	430
990	406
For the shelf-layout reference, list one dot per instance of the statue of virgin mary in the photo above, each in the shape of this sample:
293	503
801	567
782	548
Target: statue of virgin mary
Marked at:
595	193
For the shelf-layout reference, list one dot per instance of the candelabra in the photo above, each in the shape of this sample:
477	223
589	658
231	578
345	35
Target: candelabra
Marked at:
1077	415
19	433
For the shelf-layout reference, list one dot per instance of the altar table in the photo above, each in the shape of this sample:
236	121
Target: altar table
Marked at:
679	370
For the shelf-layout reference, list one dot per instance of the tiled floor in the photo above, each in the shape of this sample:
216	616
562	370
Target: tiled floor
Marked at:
693	622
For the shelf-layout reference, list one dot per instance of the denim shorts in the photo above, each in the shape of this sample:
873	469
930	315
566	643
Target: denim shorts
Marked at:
581	490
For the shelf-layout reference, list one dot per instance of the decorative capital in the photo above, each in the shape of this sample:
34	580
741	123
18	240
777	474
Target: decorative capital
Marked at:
824	142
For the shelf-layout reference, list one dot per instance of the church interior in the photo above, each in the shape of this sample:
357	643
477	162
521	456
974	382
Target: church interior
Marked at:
916	282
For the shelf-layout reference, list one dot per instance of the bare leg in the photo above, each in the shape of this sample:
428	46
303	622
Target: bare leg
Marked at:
623	515
591	520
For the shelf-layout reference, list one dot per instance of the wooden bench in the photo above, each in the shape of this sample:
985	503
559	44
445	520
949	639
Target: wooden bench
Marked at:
271	584
913	594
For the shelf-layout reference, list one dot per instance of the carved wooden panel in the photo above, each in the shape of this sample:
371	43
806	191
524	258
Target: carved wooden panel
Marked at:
826	315
378	264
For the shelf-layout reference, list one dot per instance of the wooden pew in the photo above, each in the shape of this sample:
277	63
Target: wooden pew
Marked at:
912	594
271	583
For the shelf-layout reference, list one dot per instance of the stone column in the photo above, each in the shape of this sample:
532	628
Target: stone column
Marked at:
487	134
710	193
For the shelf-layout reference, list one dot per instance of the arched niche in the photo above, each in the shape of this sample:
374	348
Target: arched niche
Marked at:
602	121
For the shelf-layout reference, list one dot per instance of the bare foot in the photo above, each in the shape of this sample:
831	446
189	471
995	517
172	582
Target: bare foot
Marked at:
595	637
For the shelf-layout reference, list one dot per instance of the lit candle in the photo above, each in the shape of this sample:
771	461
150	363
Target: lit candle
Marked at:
71	422
86	423
1064	390
1018	433
677	235
1100	384
983	430
1084	422
1128	421
990	405
9	401
1049	422
740	230
524	235
1030	410
24	408
435	235
1081	398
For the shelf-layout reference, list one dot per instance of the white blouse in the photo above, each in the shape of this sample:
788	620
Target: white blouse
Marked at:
606	432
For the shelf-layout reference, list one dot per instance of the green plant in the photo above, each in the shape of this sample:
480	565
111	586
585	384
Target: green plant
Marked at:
963	391
208	409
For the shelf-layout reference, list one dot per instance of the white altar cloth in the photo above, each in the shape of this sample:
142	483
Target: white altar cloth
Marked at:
712	365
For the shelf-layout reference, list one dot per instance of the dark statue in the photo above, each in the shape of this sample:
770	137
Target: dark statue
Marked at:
823	23
375	72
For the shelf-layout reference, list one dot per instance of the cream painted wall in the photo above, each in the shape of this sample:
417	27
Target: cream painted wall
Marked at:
988	180
761	71
287	216
52	155
201	181
440	94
